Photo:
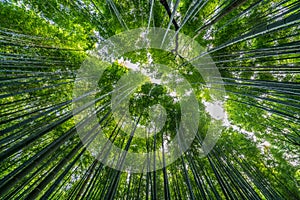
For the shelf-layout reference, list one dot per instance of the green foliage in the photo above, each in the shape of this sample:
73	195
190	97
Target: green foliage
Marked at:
255	46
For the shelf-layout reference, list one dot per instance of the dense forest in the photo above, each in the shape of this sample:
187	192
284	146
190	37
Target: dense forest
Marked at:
149	99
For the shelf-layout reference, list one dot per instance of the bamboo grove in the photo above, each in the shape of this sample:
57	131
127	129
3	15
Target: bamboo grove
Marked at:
255	44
